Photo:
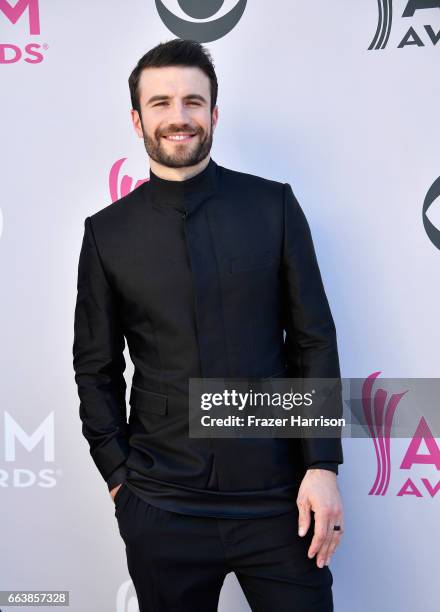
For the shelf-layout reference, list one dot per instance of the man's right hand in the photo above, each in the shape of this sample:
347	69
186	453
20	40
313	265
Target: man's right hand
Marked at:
115	490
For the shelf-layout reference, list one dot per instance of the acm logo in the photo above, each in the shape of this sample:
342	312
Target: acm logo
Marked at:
190	26
13	13
121	184
411	37
43	438
379	409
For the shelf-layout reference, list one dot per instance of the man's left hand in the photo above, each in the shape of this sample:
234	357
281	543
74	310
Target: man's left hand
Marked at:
319	492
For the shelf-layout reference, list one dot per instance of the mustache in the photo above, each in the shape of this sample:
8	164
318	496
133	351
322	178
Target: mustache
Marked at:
180	130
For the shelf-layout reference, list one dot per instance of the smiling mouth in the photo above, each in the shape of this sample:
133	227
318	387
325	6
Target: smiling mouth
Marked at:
184	137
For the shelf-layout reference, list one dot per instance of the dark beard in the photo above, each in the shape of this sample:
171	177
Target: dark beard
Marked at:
181	158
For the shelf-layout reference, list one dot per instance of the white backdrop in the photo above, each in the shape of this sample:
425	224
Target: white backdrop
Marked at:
301	100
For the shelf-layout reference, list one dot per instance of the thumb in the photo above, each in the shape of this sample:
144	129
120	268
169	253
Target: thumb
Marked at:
303	518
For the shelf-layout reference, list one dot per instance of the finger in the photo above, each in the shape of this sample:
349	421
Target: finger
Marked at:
333	545
303	515
335	518
323	552
335	541
320	533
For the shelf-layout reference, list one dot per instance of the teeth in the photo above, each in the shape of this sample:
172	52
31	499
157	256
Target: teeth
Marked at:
178	137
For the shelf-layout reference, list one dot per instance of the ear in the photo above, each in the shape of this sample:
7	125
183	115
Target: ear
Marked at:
136	120
214	117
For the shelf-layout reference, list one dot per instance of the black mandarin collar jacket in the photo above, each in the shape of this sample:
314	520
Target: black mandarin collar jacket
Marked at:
187	194
213	276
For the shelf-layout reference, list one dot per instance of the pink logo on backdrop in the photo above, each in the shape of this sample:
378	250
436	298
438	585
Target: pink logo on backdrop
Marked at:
121	184
11	53
379	410
379	416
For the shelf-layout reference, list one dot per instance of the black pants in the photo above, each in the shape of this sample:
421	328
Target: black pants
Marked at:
178	562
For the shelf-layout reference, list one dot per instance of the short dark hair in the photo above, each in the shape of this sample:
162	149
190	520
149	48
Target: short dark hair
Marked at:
176	52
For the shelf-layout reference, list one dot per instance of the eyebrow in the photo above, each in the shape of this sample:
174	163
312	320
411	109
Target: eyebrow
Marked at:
164	97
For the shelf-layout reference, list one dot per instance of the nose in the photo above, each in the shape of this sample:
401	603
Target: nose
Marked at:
178	114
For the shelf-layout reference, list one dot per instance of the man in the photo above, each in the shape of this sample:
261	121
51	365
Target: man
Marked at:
203	270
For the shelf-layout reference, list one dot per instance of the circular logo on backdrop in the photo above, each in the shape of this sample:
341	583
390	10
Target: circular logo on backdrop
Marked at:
201	31
432	231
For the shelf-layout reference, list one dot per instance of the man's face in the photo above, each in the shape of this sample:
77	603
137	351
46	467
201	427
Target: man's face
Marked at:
176	123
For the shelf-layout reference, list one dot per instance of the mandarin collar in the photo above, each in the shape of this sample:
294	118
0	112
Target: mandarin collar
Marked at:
187	193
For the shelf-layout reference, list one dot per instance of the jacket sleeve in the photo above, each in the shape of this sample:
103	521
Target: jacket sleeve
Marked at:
332	466
99	364
311	344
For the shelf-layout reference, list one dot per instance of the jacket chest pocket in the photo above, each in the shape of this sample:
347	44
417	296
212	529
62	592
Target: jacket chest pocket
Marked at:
252	261
148	401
